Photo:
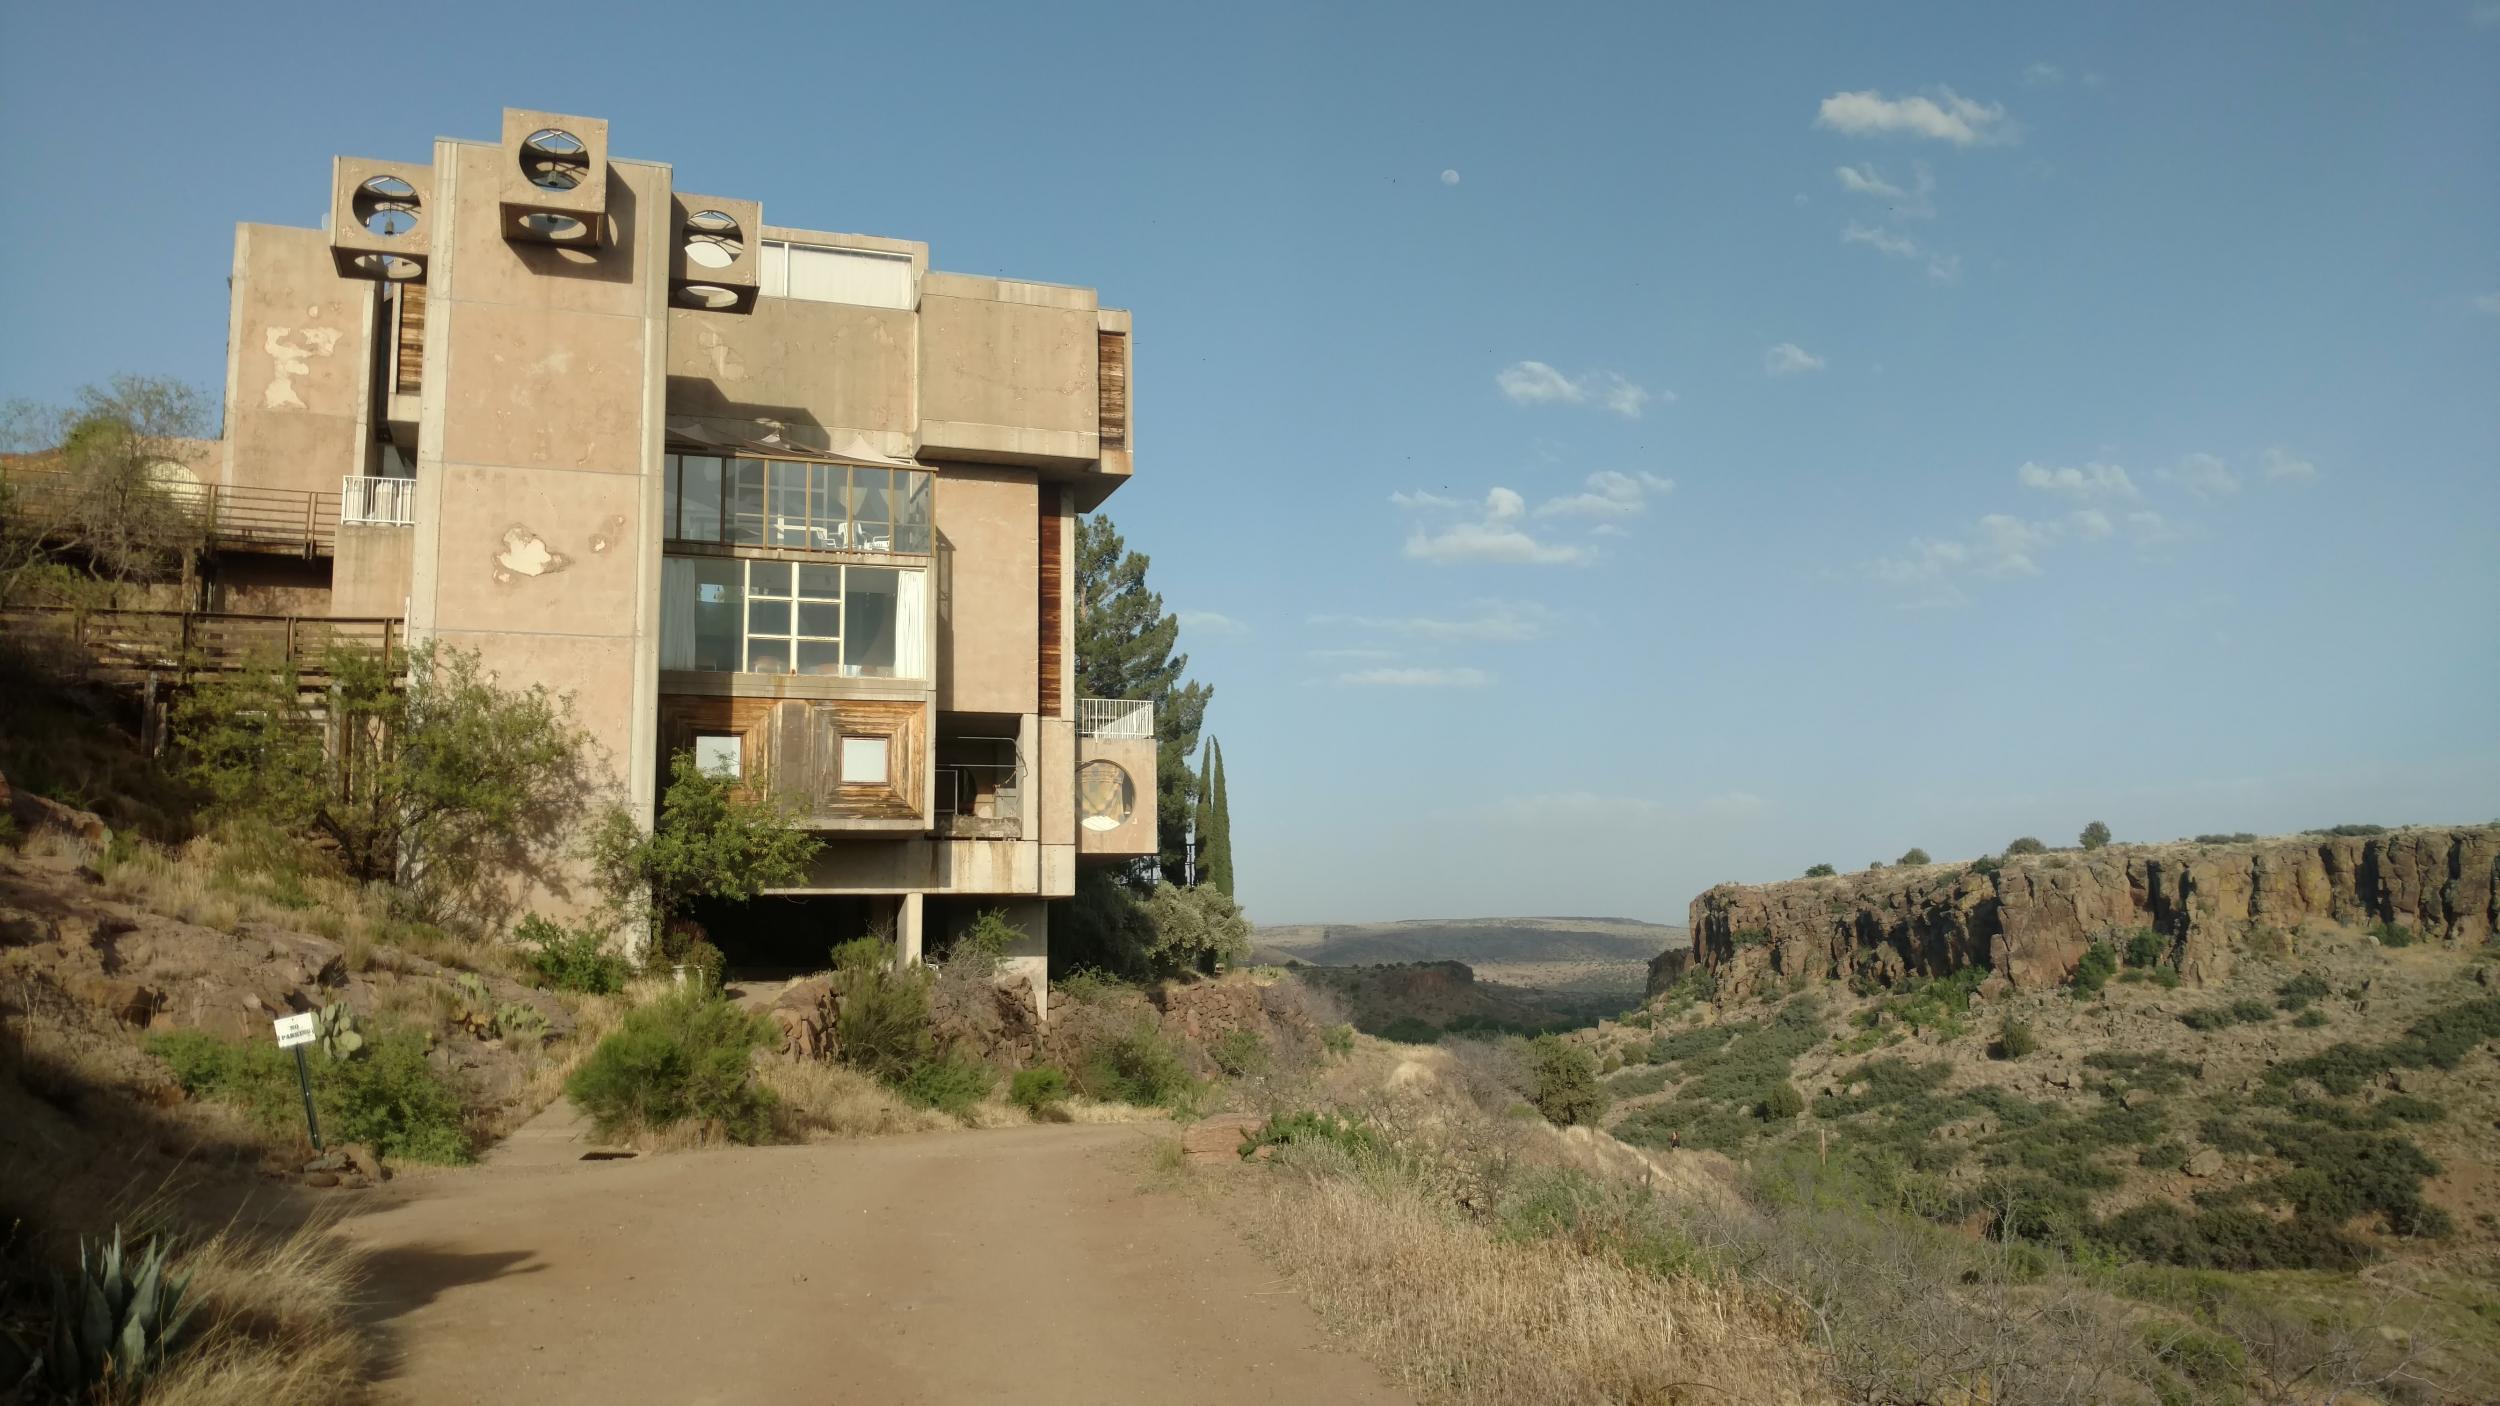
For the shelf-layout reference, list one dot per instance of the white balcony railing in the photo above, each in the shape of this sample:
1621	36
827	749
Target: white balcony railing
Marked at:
378	502
1115	717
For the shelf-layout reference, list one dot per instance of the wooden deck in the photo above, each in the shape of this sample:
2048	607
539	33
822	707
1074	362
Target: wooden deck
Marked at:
129	646
294	521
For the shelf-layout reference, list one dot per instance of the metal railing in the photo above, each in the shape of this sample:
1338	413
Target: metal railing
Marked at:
377	502
225	517
1115	717
981	799
125	644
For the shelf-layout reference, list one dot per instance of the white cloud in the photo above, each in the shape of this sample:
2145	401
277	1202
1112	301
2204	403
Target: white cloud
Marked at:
1947	117
1882	241
2283	466
1211	622
1415	678
1492	534
1609	494
2204	475
1787	359
2091	524
1449	178
1494	620
2089	482
2487	302
2150	529
1945	268
1913	202
2044	75
1999	546
1535	383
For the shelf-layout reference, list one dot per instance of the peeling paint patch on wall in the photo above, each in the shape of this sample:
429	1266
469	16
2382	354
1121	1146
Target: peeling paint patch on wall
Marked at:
293	360
609	534
525	553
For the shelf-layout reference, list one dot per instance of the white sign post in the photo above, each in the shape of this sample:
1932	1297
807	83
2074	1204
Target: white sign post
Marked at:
294	1033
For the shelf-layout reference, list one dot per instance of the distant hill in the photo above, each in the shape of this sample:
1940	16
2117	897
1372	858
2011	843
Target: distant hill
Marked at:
1479	942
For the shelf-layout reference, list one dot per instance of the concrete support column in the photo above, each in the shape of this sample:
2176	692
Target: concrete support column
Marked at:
907	921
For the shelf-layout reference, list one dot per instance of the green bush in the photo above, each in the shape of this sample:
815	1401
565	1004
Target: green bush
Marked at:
1337	1039
2093	971
685	1055
2025	845
882	1028
2440	1040
1783	1102
570	959
1410	1030
1565	1082
1136	1066
2015	1039
2095	835
950	1082
2158	1073
2310	1019
1911	856
1820	871
2228	1237
391	1098
2248	1010
1304	1128
2349	831
2146	948
2239	838
1240	1053
2167	978
2297	993
1036	1089
2167	1155
2393	934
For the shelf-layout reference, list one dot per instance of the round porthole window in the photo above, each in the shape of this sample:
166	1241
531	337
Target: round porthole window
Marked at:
713	240
554	159
1105	797
386	206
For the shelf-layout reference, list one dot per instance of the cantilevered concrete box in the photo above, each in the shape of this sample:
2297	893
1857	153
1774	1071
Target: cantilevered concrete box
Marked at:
381	217
714	264
555	178
1115	797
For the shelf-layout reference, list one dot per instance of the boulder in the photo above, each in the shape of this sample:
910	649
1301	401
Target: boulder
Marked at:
362	1159
2205	1163
1218	1140
33	813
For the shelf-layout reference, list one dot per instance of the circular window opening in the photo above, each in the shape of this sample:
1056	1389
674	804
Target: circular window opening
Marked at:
389	266
713	240
385	206
554	228
1105	797
554	159
707	295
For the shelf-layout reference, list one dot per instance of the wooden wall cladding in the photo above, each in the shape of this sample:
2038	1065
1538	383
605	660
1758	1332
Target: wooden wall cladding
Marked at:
793	748
1053	679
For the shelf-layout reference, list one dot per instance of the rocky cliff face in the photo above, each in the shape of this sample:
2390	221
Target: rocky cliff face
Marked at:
2033	919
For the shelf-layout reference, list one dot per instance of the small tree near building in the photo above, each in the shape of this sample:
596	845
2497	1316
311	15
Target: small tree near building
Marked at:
714	839
2026	845
1915	855
2095	835
1565	1087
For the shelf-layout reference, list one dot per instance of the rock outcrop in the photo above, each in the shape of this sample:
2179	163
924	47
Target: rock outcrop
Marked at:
2033	918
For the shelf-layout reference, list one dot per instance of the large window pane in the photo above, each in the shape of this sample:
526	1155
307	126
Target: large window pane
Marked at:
819	657
768	617
788	494
820	582
746	502
872	515
719	612
768	656
911	529
768	578
868	621
821	620
698	498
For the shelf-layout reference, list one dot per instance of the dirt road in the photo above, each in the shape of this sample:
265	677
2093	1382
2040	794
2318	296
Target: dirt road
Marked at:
1017	1265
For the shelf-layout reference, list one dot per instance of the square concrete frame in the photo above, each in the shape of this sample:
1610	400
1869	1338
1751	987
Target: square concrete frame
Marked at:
732	287
585	203
360	253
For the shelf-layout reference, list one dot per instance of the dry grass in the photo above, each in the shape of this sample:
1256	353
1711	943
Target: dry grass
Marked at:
821	1101
1458	1314
274	1322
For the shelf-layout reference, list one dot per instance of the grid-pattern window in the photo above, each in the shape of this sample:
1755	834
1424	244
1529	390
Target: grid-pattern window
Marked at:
794	504
779	617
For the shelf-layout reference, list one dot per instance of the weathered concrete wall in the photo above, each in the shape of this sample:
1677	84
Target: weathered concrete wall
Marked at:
296	360
369	575
2033	920
1007	370
989	621
848	369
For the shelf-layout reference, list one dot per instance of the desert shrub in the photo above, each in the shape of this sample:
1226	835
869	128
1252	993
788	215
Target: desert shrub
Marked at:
1636	1082
1701	1039
684	1056
2167	978
1886	1080
2146	948
1305	1128
2227	1237
1036	1089
1565	1076
2392	934
2167	1155
951	1081
1783	1102
2412	1109
1240	1053
2297	993
2338	1173
2095	835
2093	971
2440	1040
1913	855
2015	1039
2223	1135
882	1028
570	959
1136	1066
2310	1019
2025	845
2239	838
1597	1218
1337	1039
2159	1073
2349	831
2214	1017
2248	1010
1985	865
1820	871
1410	1030
389	1097
1613	1063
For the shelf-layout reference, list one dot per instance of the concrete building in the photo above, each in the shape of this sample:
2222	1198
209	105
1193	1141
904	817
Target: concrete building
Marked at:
791	500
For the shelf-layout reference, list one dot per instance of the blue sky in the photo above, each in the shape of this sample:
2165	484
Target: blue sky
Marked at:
1597	452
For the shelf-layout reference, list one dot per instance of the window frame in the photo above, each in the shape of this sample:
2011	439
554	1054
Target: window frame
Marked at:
827	496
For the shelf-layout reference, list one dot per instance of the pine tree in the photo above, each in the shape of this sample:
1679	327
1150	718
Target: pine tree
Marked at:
1215	837
1125	649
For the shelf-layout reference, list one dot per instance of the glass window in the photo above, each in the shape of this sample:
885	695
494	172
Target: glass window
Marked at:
768	578
868	621
820	656
787	490
698	498
911	528
820	582
717	754
746	502
864	761
768	617
668	499
872	516
718	613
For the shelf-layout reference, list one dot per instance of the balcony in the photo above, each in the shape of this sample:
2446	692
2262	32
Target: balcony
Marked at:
218	516
1122	718
377	502
980	789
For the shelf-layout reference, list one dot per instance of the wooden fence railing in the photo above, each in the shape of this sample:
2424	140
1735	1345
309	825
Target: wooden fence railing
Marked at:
294	520
129	645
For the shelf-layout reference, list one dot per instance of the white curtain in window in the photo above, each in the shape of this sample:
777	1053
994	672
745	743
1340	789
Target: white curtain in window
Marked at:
911	625
865	277
677	600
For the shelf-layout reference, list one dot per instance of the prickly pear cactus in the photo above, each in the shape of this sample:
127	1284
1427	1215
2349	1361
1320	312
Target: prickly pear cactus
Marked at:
335	1028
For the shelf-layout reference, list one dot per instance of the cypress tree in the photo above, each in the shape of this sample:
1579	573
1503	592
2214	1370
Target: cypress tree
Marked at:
1215	839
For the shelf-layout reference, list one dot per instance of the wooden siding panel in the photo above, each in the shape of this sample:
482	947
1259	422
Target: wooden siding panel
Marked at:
792	747
1053	701
1111	375
411	377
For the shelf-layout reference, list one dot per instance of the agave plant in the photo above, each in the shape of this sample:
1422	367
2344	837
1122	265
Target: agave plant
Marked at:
119	1323
335	1028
